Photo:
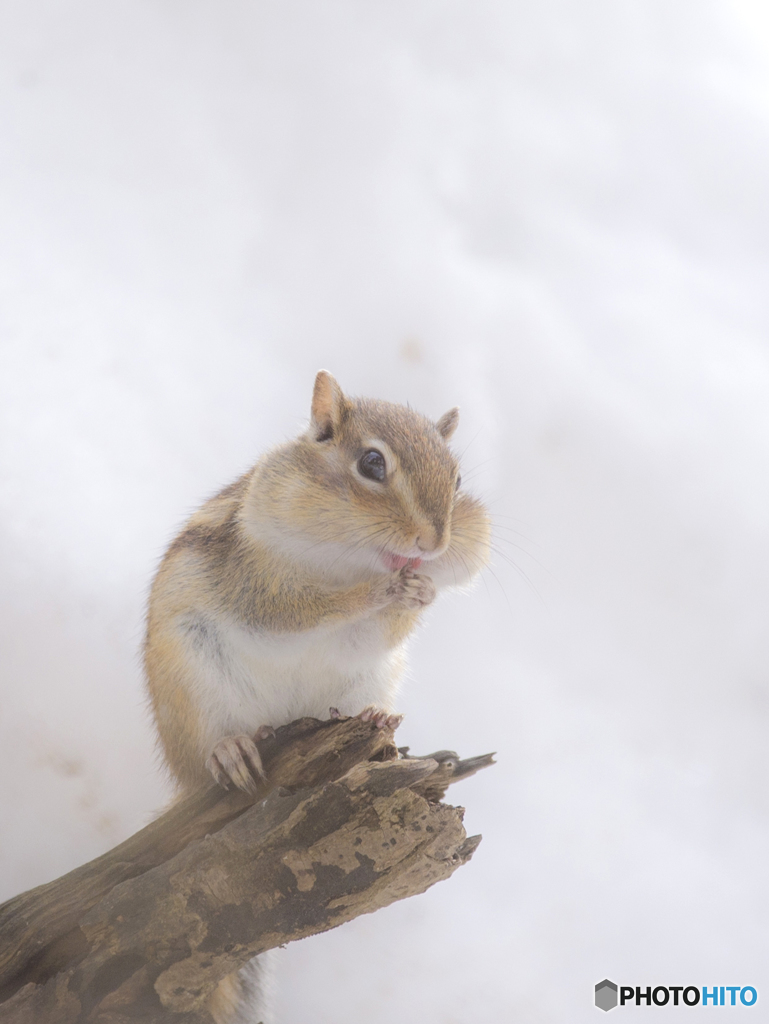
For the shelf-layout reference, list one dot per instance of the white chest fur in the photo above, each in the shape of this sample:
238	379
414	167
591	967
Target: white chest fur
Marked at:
242	679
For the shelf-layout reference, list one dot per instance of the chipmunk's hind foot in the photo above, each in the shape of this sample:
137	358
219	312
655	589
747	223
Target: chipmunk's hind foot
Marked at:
379	717
236	760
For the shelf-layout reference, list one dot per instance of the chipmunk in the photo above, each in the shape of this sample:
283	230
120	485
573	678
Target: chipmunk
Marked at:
293	591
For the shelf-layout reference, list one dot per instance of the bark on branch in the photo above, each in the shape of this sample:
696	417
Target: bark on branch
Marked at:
144	933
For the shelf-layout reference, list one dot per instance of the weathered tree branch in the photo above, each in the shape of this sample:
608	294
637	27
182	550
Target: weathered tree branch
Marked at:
146	932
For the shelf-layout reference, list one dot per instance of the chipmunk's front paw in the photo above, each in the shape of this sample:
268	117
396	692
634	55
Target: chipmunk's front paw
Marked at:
236	760
379	717
405	587
413	590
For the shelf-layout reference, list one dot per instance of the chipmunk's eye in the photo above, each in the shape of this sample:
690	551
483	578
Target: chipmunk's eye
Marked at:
371	464
458	484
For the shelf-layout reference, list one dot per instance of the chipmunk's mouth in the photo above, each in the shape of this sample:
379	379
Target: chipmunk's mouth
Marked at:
394	562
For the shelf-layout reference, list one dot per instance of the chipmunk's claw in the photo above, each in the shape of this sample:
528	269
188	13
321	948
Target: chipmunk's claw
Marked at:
236	760
379	717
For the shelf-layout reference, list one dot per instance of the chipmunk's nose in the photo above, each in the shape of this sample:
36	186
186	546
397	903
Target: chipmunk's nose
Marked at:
430	538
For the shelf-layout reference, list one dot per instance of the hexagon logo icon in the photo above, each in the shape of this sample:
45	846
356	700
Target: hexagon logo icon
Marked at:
606	995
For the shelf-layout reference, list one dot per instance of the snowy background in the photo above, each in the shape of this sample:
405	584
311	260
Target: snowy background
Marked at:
552	214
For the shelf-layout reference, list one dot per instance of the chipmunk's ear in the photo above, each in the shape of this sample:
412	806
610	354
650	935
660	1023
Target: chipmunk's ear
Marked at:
328	406
447	424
